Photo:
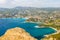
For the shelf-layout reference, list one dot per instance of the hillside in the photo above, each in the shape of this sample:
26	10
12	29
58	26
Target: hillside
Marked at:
16	34
12	12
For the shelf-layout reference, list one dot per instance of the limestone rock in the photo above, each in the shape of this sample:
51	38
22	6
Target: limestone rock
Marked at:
16	34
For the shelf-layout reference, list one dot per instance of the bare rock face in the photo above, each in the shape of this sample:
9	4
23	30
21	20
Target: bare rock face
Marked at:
16	34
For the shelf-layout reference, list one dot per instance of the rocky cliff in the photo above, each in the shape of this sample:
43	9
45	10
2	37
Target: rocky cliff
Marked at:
16	34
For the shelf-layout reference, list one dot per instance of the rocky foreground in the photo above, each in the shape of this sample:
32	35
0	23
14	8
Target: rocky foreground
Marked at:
16	34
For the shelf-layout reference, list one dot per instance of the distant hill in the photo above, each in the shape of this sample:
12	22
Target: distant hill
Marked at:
24	10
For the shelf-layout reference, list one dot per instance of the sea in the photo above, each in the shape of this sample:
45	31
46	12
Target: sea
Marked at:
39	33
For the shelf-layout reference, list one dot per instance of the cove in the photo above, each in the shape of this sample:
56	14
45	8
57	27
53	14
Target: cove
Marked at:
8	23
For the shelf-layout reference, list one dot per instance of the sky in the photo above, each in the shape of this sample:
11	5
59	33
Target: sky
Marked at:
29	3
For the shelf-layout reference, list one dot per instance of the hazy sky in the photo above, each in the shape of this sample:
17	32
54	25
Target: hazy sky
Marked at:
29	3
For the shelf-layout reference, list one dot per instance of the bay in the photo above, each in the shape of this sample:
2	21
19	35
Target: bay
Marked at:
8	23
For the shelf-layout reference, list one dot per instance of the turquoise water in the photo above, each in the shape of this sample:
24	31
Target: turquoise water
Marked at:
38	33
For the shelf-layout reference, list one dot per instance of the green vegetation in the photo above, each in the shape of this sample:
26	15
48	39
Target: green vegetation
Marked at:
55	24
52	37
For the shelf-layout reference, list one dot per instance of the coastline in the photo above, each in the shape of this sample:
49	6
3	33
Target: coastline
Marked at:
52	33
40	22
17	34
